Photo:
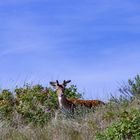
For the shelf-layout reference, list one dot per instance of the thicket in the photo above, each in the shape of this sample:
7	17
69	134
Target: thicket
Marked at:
31	104
28	113
127	123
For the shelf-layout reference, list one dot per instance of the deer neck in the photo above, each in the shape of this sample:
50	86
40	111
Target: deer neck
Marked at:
64	103
61	98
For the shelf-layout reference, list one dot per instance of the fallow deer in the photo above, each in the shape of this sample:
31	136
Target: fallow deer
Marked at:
70	104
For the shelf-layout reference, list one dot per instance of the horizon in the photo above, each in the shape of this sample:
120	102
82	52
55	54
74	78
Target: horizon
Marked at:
94	44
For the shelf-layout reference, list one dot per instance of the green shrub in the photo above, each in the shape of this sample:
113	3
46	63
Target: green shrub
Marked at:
127	127
72	92
35	104
6	104
132	89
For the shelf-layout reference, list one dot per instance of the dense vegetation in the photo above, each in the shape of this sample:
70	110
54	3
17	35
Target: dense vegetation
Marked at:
28	113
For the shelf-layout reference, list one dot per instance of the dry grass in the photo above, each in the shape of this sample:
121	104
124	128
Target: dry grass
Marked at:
82	127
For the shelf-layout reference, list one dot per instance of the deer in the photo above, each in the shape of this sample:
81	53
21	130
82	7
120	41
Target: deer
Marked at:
68	104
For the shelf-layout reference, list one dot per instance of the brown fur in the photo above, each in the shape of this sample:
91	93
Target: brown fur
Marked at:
87	103
69	104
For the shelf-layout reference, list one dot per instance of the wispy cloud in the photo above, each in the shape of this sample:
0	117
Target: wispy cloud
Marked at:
91	42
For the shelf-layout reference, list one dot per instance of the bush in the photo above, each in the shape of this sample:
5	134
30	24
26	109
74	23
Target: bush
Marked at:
132	89
35	104
6	104
128	127
30	107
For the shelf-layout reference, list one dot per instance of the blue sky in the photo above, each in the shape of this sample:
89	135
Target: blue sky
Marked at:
96	44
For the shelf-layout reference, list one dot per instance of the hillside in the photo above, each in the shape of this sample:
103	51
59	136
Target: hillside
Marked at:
28	113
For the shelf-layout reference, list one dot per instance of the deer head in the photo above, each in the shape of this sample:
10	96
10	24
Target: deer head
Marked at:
60	88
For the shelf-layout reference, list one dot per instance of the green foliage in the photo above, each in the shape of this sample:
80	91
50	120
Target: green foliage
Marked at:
135	86
6	104
35	104
127	127
72	92
132	89
38	104
126	124
119	119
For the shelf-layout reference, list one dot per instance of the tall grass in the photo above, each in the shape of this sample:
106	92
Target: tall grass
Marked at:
85	127
119	119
